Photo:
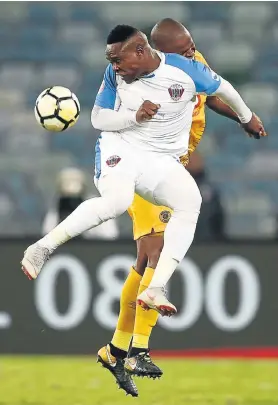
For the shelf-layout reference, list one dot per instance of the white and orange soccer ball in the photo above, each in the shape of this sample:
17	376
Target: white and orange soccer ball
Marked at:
57	109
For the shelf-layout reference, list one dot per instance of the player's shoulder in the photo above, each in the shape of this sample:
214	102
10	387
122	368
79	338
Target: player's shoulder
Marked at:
176	60
200	58
203	77
110	75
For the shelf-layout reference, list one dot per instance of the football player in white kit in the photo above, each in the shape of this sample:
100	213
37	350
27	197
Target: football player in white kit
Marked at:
139	149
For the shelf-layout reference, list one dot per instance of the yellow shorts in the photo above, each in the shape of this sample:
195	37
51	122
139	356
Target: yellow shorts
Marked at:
148	218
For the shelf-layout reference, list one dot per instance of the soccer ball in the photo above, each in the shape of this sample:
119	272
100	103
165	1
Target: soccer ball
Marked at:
57	109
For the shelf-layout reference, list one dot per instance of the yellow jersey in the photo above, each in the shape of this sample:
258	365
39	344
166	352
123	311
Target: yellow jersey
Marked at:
148	218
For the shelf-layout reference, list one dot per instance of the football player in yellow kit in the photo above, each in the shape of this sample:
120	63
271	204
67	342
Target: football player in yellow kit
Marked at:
128	352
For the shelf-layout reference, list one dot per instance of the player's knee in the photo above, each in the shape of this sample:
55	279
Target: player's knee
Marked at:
140	266
112	205
188	209
141	263
197	198
155	249
117	193
149	248
116	205
192	201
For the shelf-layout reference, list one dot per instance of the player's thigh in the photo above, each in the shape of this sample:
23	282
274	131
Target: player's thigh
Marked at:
151	174
114	178
113	157
149	248
178	190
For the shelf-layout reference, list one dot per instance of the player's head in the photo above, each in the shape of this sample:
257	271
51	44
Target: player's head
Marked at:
171	36
126	50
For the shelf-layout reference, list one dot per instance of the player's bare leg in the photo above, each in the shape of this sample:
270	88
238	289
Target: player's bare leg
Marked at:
139	361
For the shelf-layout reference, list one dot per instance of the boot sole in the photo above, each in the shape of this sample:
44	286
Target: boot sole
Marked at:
105	365
164	310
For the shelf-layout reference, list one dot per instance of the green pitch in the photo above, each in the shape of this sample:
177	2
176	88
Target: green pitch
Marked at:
80	381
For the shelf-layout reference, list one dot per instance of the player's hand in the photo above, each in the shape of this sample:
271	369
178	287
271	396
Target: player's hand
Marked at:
254	128
146	111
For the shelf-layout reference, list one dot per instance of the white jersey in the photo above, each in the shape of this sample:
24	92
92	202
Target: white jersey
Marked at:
173	85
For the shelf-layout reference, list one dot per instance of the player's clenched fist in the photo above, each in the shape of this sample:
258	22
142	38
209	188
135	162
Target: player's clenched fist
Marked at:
146	111
255	127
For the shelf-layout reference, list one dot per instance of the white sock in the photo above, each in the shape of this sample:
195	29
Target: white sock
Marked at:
164	270
178	237
87	215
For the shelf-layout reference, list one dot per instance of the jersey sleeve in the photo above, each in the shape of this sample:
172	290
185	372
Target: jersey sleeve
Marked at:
106	97
205	80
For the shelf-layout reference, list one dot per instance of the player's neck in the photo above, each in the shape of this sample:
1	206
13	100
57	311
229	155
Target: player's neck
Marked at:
152	63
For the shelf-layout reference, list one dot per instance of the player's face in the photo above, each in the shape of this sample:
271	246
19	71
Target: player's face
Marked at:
125	62
182	45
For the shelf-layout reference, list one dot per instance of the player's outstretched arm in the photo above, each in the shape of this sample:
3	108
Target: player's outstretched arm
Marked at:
215	104
249	121
104	116
208	82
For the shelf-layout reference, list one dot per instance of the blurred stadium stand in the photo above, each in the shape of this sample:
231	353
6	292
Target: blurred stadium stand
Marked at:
48	43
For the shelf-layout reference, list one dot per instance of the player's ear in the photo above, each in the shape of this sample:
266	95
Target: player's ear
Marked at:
139	49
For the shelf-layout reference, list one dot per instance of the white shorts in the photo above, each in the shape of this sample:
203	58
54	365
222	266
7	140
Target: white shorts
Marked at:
148	170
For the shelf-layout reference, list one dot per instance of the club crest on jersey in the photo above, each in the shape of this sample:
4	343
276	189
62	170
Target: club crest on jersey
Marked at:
176	91
165	216
113	161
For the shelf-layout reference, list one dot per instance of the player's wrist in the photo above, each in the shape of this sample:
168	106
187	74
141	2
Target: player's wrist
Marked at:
131	117
244	119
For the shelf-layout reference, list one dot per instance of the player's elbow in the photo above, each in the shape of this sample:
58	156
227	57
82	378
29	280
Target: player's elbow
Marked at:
98	119
96	122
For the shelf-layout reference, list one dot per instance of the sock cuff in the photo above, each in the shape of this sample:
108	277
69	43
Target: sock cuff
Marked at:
117	352
121	340
133	273
147	277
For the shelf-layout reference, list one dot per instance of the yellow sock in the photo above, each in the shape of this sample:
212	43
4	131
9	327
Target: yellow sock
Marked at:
124	330
144	320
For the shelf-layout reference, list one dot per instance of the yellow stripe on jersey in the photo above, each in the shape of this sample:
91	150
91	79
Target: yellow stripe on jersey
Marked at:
148	218
198	118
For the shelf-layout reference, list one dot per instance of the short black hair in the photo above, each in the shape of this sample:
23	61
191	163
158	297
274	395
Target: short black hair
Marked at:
121	33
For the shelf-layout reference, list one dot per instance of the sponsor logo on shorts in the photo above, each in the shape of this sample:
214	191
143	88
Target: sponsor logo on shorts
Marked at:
165	216
176	91
113	161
